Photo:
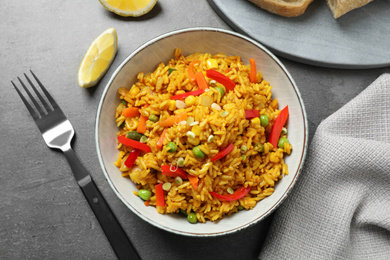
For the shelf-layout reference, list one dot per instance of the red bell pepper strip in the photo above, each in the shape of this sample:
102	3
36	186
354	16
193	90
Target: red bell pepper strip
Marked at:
277	127
238	194
173	171
160	201
129	142
253	73
201	80
223	153
219	77
132	157
191	93
249	114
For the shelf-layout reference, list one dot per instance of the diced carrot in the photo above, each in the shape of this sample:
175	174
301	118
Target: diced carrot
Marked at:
253	73
130	112
142	124
161	139
147	203
194	180
173	120
190	71
201	80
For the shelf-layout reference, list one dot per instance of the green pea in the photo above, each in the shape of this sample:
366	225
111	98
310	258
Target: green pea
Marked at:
172	147
264	120
197	152
134	135
192	218
153	118
144	194
221	90
282	142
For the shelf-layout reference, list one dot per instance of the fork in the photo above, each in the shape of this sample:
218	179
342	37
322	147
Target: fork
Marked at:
58	132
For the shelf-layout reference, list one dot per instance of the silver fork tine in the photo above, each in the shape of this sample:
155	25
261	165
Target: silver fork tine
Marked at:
48	108
49	97
33	113
37	106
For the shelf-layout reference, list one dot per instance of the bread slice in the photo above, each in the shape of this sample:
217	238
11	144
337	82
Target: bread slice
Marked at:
341	7
287	8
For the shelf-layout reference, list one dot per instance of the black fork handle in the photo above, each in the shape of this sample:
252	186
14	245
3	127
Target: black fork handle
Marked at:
115	234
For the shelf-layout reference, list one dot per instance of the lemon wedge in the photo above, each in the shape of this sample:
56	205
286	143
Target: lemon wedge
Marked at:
129	7
98	58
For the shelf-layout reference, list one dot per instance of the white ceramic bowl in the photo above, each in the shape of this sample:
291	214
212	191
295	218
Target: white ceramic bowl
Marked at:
161	49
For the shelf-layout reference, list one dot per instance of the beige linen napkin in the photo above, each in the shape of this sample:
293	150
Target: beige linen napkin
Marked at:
340	206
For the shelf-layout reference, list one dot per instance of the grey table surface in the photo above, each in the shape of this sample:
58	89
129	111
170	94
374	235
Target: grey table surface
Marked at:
43	214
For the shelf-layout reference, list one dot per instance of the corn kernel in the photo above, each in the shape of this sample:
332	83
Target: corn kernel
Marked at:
255	121
196	130
172	105
193	141
212	64
190	100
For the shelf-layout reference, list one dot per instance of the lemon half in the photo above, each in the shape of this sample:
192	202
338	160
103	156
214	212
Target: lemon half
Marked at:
98	58
129	7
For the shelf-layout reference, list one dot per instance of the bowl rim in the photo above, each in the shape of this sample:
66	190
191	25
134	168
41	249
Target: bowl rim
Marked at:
302	108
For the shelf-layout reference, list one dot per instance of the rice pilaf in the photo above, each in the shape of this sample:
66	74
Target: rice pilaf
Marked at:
198	146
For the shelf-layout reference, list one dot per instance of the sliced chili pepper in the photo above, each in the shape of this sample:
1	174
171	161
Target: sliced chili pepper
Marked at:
238	194
191	93
173	171
219	77
277	127
129	142
223	153
249	114
160	201
132	157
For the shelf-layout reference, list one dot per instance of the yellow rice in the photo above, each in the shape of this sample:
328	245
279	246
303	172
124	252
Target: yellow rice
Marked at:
259	170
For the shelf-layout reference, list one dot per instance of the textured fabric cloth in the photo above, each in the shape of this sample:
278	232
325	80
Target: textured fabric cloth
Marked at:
340	206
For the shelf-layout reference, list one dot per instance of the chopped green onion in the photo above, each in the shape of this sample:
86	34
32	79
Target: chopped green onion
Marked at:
124	102
210	138
190	119
167	186
143	139
230	190
194	123
224	113
178	180
216	106
170	70
213	82
153	118
243	157
284	131
190	134
180	162
243	149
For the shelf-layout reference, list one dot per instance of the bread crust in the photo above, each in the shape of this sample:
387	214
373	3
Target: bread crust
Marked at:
341	7
284	8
